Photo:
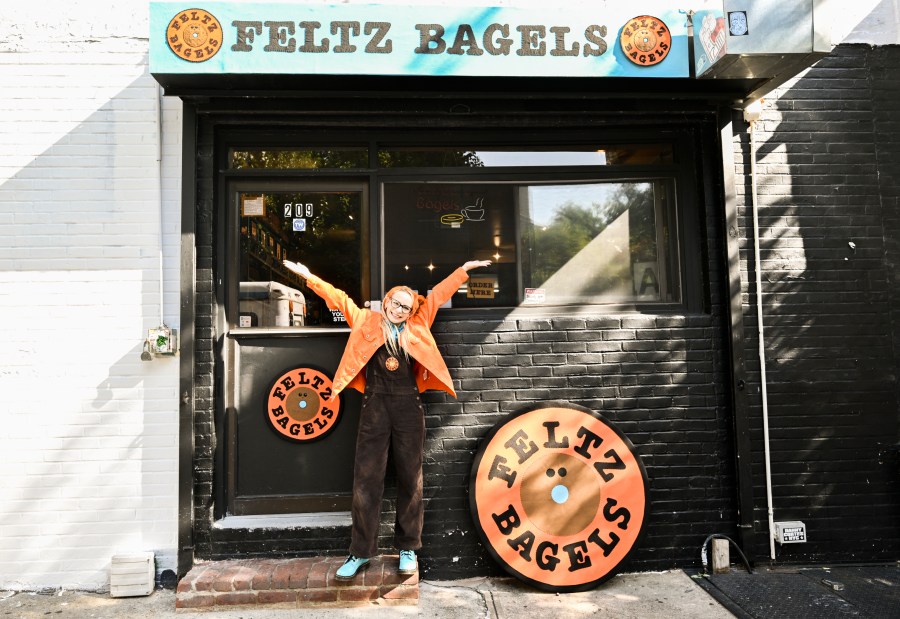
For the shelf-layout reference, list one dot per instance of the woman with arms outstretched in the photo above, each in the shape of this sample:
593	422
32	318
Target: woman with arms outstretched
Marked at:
391	357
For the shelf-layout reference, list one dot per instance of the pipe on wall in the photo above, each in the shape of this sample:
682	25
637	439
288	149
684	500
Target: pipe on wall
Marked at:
751	114
732	248
157	91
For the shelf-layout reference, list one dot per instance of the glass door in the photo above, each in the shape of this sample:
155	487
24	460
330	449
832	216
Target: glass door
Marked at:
290	444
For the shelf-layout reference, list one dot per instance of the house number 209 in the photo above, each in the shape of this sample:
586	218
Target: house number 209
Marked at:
298	209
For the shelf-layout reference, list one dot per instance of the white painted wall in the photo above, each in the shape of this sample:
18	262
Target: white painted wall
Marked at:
874	22
89	440
88	450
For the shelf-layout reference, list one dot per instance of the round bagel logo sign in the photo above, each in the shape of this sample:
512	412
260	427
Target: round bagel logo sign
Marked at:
194	35
646	40
558	496
301	406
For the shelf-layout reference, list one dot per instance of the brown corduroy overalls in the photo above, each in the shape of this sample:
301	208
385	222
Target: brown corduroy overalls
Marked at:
392	415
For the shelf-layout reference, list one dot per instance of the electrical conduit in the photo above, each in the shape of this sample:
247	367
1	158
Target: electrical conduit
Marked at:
752	113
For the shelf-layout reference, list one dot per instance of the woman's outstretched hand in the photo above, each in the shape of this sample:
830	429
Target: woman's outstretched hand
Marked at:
475	264
299	269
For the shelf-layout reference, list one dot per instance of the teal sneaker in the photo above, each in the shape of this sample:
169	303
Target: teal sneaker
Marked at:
408	563
351	567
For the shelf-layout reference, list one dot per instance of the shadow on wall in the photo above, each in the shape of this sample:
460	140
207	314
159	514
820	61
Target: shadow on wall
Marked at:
90	449
828	228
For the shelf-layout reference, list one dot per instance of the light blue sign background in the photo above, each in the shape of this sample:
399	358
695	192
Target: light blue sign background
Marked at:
405	38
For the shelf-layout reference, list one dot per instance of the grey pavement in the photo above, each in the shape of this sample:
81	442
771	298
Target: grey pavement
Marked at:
643	595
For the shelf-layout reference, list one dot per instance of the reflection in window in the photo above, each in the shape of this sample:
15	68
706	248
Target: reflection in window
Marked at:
598	242
286	159
591	155
318	229
560	244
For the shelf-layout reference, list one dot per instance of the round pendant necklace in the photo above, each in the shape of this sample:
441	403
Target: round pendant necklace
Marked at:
392	363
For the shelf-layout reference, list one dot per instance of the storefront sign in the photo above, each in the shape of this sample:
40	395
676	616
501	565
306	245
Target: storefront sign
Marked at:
300	405
558	496
604	39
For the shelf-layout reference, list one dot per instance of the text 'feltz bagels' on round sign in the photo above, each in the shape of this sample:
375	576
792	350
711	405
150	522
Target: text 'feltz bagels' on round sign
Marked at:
645	40
301	406
558	496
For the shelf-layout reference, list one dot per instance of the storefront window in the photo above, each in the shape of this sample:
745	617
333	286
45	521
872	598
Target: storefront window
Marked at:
550	244
320	229
432	228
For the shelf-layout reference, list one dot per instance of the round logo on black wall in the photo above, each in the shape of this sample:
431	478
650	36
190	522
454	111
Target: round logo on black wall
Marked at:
301	406
194	35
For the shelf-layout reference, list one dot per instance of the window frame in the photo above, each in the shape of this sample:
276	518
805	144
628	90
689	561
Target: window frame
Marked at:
235	187
683	172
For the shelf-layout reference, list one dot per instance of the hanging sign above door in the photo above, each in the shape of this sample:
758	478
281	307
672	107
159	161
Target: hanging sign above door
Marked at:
602	39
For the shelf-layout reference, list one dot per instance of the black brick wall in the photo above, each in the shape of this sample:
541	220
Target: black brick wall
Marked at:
658	378
829	149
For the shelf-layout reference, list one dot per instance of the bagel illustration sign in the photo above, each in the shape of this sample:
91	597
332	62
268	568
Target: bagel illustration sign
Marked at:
194	35
646	40
301	405
558	496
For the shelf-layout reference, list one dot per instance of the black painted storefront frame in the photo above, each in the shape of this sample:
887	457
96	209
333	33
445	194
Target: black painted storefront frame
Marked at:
223	114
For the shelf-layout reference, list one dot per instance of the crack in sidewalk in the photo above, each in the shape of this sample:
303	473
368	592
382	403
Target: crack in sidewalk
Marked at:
486	595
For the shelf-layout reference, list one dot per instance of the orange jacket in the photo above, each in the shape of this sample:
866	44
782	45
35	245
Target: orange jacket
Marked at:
366	336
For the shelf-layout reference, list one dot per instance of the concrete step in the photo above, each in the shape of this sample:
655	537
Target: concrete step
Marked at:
294	583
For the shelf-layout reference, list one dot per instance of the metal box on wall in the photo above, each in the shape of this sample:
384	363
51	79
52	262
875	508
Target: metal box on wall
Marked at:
767	40
132	575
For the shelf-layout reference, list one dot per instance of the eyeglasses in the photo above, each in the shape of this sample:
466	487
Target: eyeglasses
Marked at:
399	306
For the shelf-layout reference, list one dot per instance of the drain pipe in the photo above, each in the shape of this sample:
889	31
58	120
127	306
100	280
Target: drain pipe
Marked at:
159	197
160	340
751	115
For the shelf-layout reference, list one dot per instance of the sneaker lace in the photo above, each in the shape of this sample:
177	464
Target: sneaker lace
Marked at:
408	554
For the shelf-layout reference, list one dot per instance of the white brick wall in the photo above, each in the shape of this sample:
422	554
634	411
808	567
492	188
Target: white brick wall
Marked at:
89	440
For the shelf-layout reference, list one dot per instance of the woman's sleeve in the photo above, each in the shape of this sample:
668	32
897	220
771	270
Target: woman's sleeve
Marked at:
442	293
335	298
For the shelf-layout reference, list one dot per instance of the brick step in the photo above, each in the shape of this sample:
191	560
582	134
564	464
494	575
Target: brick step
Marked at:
294	583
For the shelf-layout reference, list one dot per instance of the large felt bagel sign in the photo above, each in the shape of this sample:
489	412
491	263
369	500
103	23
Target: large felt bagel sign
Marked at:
558	496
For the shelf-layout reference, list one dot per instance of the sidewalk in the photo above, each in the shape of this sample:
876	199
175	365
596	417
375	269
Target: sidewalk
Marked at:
627	596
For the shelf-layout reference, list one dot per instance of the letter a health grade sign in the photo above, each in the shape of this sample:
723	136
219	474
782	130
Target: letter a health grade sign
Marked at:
602	39
558	496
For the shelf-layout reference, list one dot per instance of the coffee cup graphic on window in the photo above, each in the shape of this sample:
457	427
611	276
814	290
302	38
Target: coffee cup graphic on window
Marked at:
474	212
